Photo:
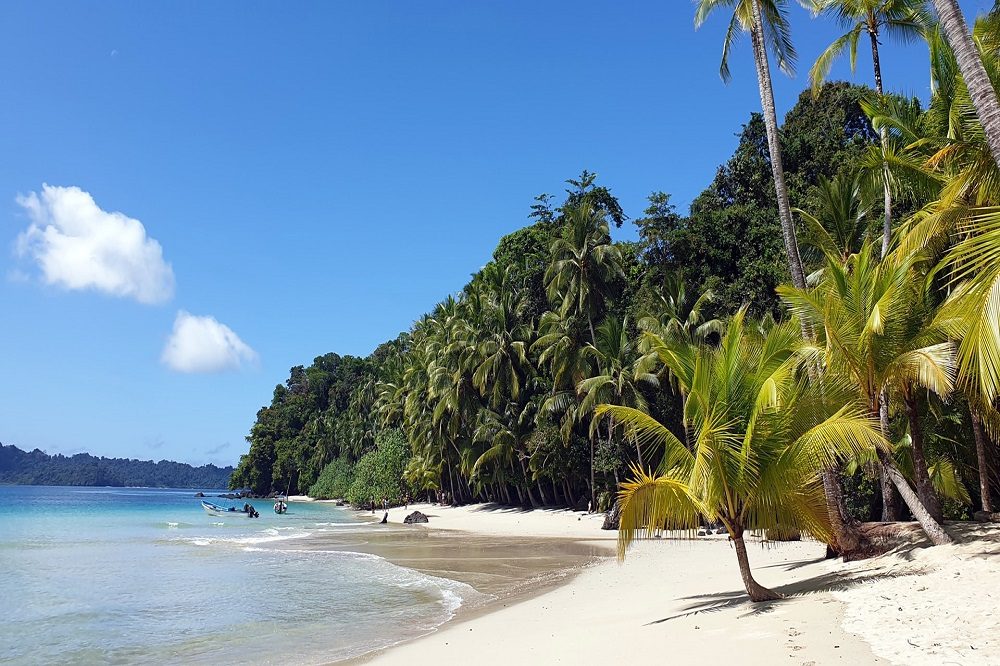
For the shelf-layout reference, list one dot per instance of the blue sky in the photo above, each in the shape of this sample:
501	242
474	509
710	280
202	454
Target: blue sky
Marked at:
298	178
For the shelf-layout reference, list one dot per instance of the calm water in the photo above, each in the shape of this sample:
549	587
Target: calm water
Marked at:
125	575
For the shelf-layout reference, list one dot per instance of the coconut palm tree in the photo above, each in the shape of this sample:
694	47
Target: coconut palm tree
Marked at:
761	442
560	348
901	19
584	265
862	309
839	224
680	314
767	23
616	381
984	96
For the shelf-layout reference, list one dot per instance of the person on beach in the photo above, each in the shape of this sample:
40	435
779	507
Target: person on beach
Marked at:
385	503
373	506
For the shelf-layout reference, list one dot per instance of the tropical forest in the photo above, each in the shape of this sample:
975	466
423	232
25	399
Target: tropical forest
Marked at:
813	345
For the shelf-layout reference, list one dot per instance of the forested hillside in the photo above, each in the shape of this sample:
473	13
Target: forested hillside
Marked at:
40	469
494	390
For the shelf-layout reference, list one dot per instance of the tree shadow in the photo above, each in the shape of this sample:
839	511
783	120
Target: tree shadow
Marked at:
826	582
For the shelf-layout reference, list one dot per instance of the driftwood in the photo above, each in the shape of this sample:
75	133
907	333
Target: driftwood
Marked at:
984	517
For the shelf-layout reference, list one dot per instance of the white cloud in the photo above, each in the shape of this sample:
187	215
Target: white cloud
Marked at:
79	246
202	344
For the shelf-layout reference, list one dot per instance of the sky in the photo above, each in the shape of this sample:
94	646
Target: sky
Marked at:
195	197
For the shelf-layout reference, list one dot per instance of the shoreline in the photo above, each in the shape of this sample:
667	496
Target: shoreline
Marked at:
687	594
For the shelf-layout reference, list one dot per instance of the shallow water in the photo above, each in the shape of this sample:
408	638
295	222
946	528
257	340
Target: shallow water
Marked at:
145	575
126	575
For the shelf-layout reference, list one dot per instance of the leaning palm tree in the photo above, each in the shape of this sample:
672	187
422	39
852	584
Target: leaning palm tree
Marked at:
901	19
984	96
863	311
767	23
761	439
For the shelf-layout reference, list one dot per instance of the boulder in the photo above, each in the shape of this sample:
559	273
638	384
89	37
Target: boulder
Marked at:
199	494
415	517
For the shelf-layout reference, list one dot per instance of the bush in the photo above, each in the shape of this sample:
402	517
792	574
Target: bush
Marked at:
379	473
334	481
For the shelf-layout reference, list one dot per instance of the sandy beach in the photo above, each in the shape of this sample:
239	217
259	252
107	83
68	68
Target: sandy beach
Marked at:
918	605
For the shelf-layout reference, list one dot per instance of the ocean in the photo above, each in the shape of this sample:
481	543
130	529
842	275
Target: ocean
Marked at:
132	575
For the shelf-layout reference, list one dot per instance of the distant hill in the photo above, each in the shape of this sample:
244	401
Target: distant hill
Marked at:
38	468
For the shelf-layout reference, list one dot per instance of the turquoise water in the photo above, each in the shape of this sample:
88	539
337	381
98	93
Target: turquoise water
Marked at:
126	575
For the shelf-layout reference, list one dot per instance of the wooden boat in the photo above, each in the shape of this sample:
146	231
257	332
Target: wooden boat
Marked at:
216	510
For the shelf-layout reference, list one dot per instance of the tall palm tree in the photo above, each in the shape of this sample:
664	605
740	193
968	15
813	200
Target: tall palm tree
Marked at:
560	347
984	96
768	26
862	310
767	23
761	441
584	265
901	19
615	381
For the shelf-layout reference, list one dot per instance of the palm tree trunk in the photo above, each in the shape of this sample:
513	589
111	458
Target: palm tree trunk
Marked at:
884	139
593	487
923	481
984	475
984	97
541	492
890	499
756	591
527	484
931	527
785	217
555	492
570	496
451	480
846	536
774	149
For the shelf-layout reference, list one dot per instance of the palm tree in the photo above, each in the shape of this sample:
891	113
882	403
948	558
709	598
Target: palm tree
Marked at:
560	347
902	19
761	442
839	225
676	328
984	96
584	265
767	24
615	382
863	309
678	314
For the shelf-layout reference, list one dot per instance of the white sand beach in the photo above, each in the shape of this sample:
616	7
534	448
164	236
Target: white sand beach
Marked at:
686	597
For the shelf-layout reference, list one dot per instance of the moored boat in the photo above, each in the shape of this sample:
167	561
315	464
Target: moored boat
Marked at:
215	510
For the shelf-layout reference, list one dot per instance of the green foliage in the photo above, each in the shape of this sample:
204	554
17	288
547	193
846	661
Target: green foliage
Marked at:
379	473
334	481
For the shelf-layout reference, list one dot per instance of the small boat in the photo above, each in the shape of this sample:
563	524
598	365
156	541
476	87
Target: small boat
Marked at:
280	507
216	510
